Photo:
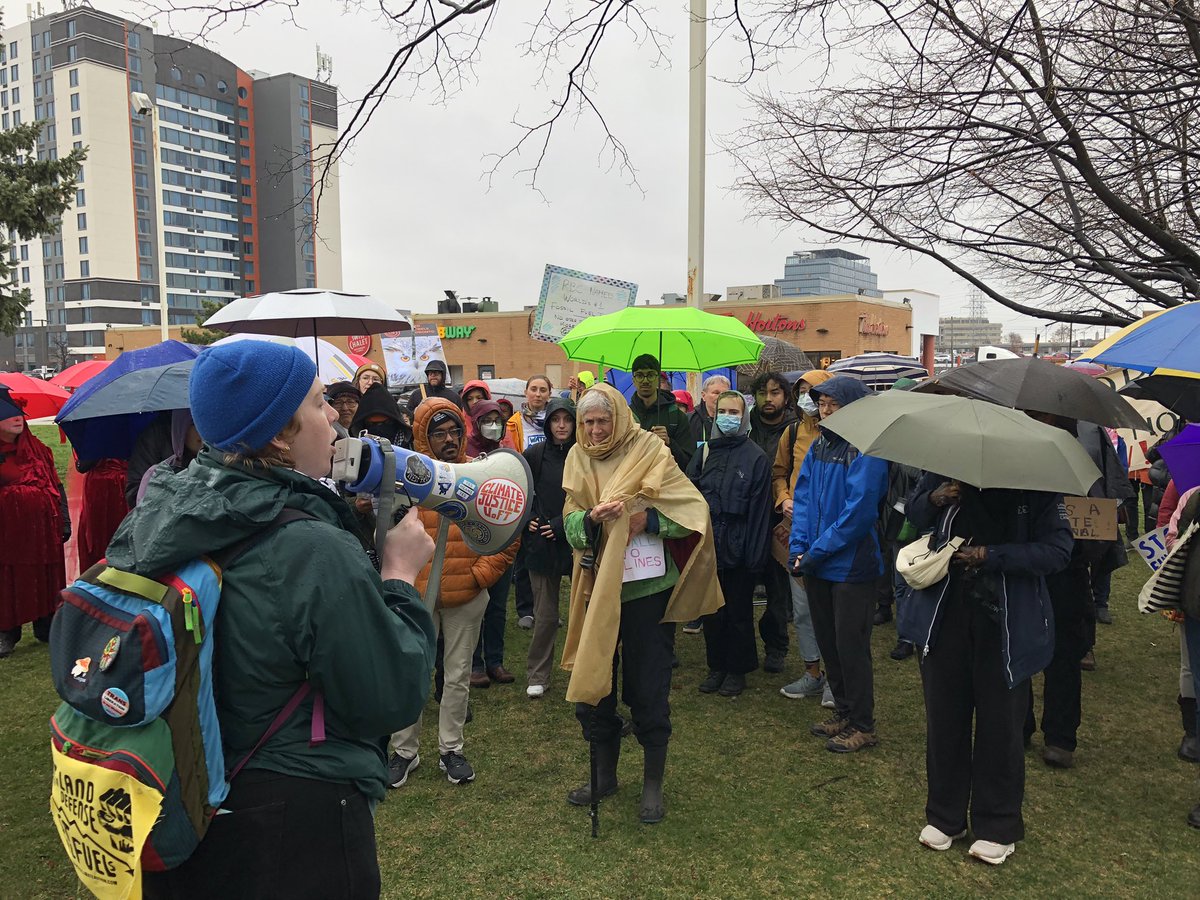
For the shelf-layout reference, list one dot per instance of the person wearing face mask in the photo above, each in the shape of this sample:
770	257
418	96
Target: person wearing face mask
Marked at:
700	419
733	474
368	374
547	553
769	421
487	665
303	604
34	524
789	455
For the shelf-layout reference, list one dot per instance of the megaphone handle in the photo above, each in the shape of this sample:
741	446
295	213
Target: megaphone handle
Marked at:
439	562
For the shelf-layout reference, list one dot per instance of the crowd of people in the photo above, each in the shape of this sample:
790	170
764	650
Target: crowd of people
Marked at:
657	510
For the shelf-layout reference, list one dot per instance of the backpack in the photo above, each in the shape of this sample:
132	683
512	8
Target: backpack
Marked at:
139	766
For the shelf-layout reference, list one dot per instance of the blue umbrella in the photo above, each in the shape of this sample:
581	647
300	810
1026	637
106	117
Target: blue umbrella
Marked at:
1164	343
129	395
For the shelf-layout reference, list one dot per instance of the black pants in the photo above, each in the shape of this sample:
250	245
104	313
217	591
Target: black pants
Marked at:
284	837
729	632
963	676
489	652
777	617
1146	492
842	616
646	649
1071	598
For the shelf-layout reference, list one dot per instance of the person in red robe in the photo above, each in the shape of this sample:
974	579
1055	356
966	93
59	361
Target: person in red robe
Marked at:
34	524
102	509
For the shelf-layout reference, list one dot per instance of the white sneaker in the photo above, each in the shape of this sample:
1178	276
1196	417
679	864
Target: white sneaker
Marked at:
936	839
534	691
827	700
992	853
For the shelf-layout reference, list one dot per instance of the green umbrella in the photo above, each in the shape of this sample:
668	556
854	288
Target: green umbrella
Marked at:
971	441
683	339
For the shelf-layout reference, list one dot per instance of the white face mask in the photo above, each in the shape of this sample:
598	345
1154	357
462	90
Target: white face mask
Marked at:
492	430
807	404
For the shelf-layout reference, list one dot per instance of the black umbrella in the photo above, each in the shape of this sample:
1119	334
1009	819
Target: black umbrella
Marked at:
1178	394
777	356
1033	384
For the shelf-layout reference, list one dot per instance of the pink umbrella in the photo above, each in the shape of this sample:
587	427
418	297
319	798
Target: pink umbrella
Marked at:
1086	368
74	377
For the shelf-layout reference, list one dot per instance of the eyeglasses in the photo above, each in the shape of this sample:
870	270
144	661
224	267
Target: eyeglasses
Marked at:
645	376
443	434
343	401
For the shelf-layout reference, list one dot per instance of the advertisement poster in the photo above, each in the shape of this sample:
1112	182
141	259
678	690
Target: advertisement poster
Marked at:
569	296
405	354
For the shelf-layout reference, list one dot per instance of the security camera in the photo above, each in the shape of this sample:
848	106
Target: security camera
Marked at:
142	105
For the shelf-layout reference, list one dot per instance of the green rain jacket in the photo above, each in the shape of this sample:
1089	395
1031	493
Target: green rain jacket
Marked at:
305	602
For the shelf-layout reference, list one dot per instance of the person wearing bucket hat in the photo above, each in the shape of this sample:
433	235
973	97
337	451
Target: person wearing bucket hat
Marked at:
363	640
434	386
34	524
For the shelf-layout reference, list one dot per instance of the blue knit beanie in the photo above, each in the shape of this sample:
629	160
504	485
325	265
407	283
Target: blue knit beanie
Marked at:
244	393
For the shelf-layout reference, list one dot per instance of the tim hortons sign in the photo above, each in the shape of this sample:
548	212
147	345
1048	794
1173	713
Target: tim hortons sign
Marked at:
757	323
868	325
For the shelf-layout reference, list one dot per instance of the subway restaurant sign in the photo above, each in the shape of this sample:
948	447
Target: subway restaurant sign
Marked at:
452	332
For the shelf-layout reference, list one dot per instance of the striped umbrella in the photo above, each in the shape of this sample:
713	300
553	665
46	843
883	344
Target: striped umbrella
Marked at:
332	364
879	371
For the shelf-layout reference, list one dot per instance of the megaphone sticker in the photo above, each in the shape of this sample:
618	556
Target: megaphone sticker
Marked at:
465	489
500	501
445	479
452	510
416	472
476	531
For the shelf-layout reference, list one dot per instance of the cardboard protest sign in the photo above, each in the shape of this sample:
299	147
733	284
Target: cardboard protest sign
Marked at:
645	557
569	296
1092	518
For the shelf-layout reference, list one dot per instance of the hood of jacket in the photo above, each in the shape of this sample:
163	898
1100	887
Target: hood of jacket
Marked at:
209	506
376	401
476	384
424	415
482	408
556	404
812	377
716	434
842	388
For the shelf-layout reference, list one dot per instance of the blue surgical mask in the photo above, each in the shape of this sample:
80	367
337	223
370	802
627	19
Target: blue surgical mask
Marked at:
807	404
728	424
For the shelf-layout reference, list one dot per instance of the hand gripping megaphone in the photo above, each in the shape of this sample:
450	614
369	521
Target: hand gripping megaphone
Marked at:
490	499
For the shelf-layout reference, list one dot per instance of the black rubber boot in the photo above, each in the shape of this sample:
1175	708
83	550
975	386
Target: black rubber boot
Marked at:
653	810
606	776
1189	747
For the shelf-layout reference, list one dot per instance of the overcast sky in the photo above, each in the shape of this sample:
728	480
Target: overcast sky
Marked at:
416	210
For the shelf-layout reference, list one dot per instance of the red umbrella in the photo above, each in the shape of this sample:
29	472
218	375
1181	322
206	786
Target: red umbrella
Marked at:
72	378
39	398
359	361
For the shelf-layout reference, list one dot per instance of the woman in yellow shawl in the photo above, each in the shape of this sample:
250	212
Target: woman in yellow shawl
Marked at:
622	483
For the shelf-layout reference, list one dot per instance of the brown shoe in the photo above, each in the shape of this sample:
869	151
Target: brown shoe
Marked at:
480	680
501	675
835	724
851	740
1088	663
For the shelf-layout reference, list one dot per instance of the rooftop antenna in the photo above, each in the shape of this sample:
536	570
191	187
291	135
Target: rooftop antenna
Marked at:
324	66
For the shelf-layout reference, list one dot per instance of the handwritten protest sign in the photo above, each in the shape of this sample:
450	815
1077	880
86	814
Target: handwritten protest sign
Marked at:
1152	547
568	297
1092	518
645	557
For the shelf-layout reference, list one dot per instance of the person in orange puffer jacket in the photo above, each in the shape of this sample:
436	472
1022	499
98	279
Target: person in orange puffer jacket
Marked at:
439	432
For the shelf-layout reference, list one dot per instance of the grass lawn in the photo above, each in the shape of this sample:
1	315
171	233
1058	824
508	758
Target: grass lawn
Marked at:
756	807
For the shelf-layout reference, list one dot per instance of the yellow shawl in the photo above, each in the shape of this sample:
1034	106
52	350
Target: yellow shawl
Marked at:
634	466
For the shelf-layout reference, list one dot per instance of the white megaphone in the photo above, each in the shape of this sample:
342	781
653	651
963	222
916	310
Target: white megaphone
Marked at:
489	498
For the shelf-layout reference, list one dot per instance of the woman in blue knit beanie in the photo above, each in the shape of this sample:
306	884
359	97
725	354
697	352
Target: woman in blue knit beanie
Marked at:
298	820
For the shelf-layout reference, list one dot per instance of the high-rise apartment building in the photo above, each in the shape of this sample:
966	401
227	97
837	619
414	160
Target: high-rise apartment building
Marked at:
222	205
816	273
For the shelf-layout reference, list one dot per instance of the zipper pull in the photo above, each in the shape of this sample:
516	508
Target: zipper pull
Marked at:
191	615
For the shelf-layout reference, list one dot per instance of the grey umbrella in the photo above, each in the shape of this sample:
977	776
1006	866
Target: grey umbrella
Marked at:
777	356
1033	384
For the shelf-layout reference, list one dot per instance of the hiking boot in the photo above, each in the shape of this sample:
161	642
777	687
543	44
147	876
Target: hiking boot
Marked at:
834	725
992	853
1087	664
851	740
606	776
827	700
400	767
902	650
936	839
693	627
501	675
883	615
712	683
1058	757
456	767
806	686
479	680
773	662
733	685
1103	616
655	763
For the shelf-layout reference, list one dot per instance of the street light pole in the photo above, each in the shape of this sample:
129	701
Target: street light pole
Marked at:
697	55
145	108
